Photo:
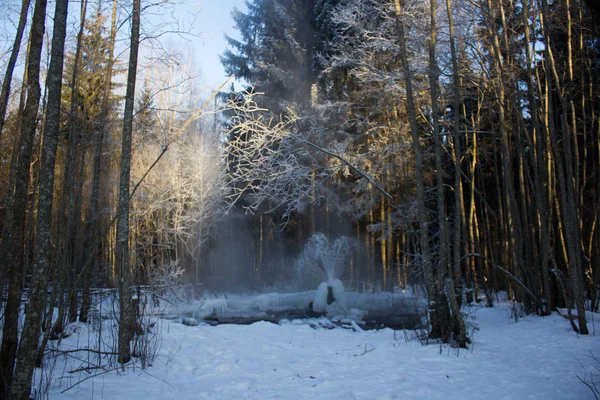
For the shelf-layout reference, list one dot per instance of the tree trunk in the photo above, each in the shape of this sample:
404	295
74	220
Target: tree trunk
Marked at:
511	214
438	309
93	226
412	114
540	173
21	384
15	216
455	304
563	154
127	316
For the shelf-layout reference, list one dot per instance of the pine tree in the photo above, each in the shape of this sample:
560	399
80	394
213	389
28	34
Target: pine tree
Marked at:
276	51
91	75
242	58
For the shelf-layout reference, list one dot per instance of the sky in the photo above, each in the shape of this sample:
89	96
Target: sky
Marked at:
210	20
213	21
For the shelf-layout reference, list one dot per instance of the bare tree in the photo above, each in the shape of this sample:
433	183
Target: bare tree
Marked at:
456	275
174	209
562	140
278	161
437	300
36	302
15	217
412	114
127	315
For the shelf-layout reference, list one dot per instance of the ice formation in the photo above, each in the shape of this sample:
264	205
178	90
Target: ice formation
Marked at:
322	259
320	300
211	307
329	298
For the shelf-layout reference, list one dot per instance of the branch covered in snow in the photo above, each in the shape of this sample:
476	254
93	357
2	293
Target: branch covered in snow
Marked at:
276	161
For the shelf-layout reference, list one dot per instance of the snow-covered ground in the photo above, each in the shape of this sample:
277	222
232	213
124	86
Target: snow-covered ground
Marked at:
535	358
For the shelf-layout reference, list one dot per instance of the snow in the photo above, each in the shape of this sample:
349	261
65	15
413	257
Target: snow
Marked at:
534	358
189	321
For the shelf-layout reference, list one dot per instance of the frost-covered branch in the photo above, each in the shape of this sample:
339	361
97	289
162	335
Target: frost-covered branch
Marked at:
277	162
177	204
346	162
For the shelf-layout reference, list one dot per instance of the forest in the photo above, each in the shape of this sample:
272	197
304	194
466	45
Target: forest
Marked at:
455	144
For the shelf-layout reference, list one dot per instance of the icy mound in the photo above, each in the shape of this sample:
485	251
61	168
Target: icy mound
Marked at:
399	310
320	300
211	307
330	299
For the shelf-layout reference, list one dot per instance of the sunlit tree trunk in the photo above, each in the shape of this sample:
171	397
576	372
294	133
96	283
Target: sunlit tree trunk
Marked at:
26	357
472	220
567	183
539	167
511	215
127	315
412	115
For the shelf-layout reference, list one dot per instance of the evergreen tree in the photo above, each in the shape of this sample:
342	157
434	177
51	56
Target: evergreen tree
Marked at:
276	51
242	58
91	75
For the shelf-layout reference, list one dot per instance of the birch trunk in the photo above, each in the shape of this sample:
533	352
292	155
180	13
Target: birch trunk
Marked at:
28	346
127	315
412	114
15	216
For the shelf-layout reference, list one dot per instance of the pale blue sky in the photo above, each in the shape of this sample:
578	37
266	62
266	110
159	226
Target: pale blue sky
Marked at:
213	21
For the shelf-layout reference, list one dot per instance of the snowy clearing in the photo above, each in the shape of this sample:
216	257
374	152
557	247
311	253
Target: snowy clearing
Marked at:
535	358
